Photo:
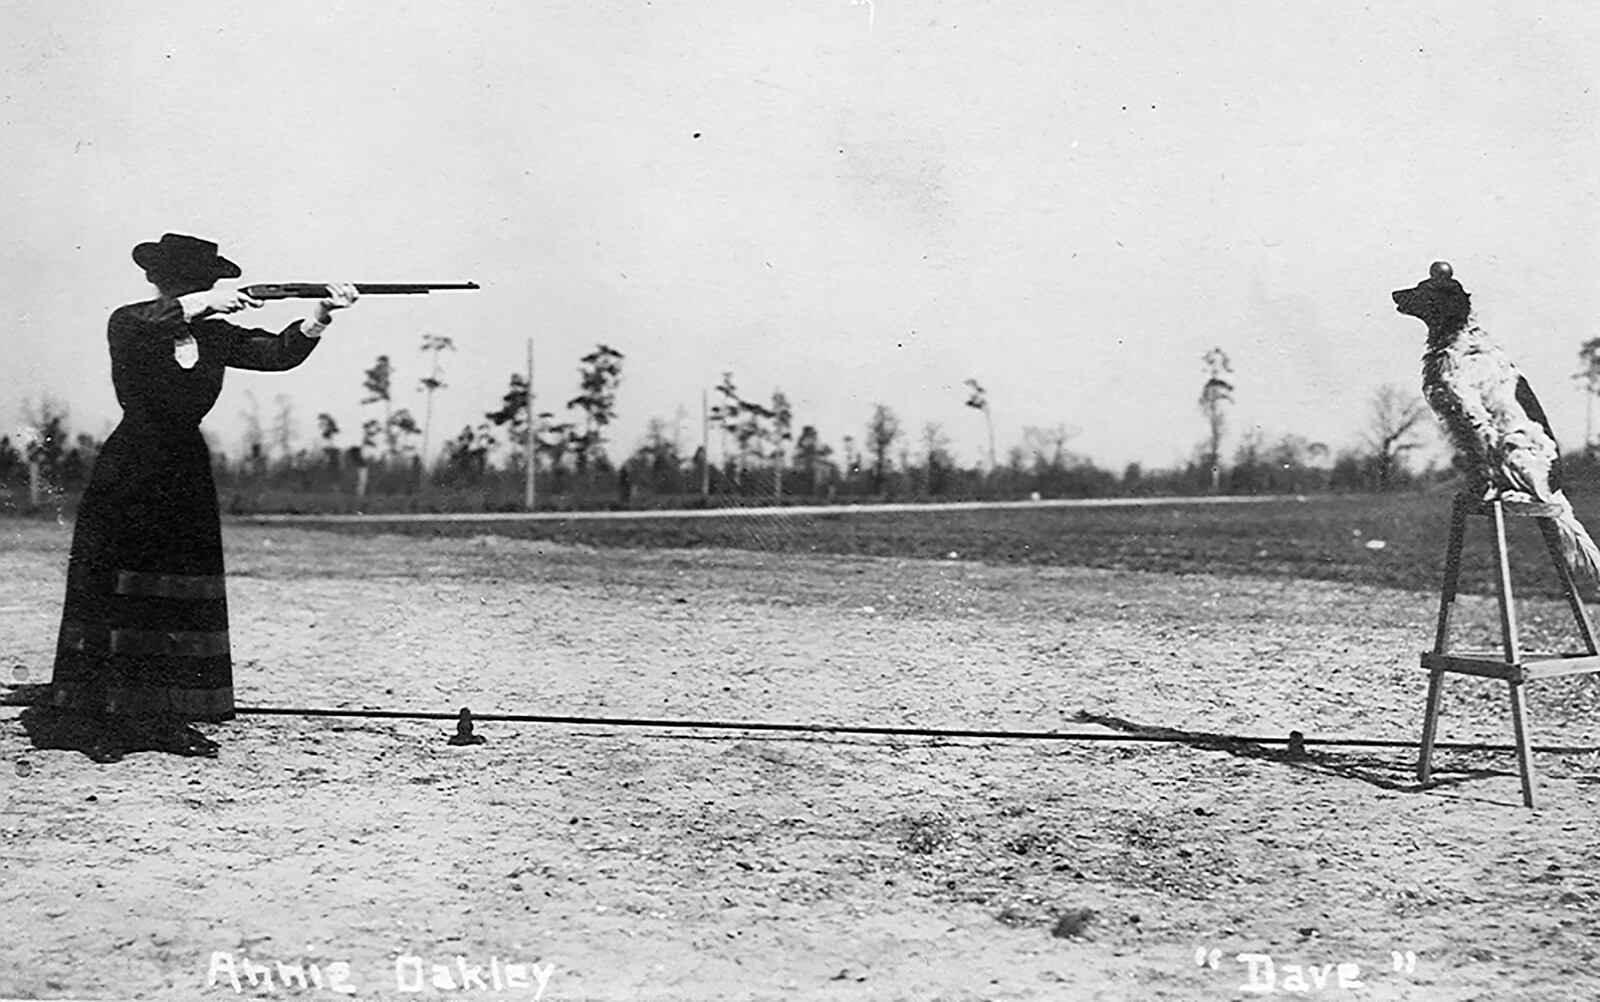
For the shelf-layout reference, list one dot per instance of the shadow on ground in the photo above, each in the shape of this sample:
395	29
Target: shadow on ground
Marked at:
1385	772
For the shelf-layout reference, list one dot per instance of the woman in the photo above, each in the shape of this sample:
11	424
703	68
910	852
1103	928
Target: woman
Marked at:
143	647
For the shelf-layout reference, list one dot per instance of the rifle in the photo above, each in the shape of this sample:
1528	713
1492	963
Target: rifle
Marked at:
313	290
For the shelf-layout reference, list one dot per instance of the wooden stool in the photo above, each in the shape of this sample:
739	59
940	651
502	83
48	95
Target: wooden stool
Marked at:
1511	664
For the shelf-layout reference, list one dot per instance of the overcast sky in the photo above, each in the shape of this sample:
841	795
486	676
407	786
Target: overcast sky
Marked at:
853	203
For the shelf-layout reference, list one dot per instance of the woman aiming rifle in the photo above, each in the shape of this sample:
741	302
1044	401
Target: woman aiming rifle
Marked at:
143	648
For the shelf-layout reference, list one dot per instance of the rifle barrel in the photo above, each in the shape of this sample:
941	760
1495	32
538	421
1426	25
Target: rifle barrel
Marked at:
316	290
403	289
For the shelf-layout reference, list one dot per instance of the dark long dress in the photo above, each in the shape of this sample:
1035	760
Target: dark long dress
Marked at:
144	630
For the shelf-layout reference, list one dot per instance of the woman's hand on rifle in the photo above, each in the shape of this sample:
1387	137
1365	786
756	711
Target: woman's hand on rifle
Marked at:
215	301
340	296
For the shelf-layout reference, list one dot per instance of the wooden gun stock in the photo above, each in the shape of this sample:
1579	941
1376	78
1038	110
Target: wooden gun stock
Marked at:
314	290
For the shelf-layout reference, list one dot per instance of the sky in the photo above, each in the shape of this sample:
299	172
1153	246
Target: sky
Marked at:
854	203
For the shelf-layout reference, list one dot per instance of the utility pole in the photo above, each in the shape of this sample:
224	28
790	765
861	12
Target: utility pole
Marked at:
527	490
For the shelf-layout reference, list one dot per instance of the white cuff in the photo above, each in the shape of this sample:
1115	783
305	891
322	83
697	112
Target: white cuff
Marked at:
312	327
192	305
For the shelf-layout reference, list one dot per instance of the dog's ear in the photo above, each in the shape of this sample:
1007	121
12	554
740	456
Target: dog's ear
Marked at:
1450	300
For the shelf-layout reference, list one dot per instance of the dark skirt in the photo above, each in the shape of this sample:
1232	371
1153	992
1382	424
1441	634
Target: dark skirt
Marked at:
144	630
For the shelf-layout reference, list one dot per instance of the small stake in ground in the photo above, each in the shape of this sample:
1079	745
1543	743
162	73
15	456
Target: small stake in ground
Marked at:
463	734
1510	663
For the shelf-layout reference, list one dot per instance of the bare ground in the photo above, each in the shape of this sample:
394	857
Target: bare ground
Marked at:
652	864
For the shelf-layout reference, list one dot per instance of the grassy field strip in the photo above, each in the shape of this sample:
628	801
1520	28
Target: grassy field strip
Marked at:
773	510
1390	540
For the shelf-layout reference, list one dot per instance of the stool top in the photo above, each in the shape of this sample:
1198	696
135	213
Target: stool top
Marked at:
1511	508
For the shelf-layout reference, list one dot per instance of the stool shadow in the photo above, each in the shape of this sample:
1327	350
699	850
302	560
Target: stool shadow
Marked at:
1364	767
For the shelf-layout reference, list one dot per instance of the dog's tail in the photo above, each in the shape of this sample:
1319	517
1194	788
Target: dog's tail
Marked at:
1581	553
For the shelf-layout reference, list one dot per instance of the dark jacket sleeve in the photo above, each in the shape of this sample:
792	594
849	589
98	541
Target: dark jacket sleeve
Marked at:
148	379
263	351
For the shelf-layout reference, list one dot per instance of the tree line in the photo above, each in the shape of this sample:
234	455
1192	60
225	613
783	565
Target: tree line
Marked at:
765	453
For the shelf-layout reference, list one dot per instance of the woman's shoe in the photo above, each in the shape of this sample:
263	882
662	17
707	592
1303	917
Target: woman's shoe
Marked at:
181	739
199	744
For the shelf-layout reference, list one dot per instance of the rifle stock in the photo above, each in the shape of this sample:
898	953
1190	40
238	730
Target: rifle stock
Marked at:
316	290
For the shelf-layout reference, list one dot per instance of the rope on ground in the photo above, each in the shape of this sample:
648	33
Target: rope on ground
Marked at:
1295	740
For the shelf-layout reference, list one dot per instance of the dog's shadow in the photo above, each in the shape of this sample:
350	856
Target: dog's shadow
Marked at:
1374	770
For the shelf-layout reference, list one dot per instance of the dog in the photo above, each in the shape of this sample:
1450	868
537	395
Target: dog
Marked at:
1502	438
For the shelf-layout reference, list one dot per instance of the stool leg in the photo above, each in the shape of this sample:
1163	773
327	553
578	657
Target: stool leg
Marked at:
1508	630
1430	725
1519	723
1569	584
1508	612
1441	637
1452	574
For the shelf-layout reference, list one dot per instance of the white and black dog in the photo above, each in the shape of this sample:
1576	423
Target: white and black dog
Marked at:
1502	438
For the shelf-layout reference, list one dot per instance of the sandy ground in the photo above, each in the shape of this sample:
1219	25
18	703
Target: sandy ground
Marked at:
645	864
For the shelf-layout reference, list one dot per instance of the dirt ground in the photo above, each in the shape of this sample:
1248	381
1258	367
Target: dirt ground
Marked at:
649	864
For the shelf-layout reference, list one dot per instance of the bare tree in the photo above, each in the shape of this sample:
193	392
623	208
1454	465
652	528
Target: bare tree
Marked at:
45	436
979	400
513	414
378	381
810	455
467	455
1215	395
432	344
935	443
1396	418
552	439
599	374
402	427
284	431
1589	376
782	417
882	433
658	455
762	432
726	414
328	430
255	437
679	415
1048	445
936	454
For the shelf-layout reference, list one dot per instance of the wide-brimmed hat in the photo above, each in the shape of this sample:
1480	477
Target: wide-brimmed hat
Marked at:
180	256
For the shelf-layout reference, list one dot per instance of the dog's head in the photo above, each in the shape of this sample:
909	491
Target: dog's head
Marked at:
1438	301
